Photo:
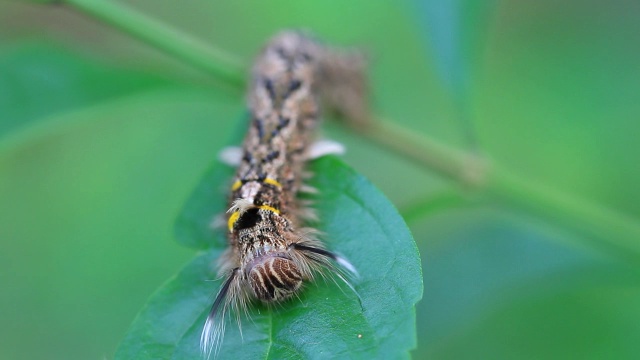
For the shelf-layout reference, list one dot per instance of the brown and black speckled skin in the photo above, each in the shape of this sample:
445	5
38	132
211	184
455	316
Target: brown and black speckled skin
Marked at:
284	109
270	256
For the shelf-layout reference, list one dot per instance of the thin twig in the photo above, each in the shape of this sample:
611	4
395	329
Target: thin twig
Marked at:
181	45
437	202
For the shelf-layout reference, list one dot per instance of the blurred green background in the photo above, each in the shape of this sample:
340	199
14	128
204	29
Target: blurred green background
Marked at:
102	138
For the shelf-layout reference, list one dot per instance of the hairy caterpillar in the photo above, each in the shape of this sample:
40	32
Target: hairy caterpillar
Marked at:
270	255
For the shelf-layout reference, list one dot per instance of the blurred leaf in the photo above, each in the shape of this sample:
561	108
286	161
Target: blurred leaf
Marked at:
194	226
501	287
89	186
558	102
597	321
360	223
454	29
38	79
86	215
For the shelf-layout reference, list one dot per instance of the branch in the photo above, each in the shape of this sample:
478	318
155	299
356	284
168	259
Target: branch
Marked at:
183	46
610	229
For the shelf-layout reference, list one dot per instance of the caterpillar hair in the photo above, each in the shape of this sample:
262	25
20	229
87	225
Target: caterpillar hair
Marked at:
270	254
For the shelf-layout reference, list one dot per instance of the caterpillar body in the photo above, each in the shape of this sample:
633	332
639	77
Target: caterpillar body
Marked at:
270	254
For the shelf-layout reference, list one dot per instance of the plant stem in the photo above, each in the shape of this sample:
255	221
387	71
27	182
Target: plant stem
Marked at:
181	45
610	228
469	170
464	168
433	203
607	227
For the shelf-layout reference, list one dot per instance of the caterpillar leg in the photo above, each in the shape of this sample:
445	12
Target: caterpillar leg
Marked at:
324	147
231	155
218	222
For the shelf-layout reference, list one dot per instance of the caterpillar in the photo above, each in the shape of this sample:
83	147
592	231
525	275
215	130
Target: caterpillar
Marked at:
270	254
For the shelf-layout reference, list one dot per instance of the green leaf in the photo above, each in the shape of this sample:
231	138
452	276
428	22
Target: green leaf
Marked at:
501	287
38	80
456	31
358	222
86	211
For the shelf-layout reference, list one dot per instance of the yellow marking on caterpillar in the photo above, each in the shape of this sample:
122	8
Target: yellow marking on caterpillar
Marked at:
232	220
236	215
237	184
272	182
